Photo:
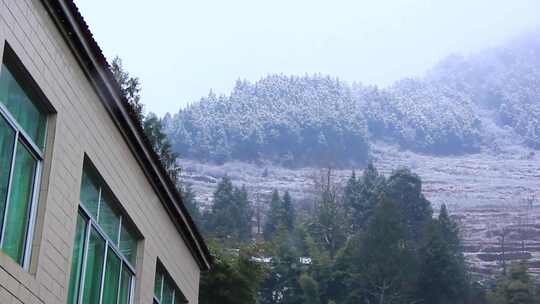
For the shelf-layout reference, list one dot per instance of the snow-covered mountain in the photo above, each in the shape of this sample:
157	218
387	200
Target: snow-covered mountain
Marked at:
317	120
470	128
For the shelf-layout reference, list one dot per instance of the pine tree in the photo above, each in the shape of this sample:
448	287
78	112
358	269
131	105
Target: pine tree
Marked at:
442	270
361	195
129	86
329	223
221	223
234	279
387	262
405	188
274	217
289	213
188	198
243	213
231	213
153	127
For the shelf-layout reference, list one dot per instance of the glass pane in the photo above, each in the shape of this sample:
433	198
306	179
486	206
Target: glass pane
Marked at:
89	193
23	109
168	291
94	268
158	281
128	244
7	140
16	222
112	278
109	219
76	260
125	286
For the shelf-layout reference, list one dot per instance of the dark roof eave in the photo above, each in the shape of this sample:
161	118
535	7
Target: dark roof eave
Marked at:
89	55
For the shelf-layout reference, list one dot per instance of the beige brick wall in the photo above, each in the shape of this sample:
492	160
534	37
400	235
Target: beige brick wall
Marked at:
82	126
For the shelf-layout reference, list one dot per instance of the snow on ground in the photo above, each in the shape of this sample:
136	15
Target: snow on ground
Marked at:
489	193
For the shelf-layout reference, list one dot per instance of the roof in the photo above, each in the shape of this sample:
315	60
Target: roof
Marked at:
77	34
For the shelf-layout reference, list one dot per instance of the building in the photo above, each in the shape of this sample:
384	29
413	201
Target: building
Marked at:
87	214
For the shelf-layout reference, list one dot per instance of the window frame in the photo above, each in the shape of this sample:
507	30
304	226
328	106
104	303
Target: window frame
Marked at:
91	224
22	137
165	276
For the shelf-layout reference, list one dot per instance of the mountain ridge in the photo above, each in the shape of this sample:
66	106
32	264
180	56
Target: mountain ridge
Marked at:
320	120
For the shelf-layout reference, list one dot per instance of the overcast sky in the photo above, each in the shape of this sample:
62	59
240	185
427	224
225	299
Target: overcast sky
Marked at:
180	49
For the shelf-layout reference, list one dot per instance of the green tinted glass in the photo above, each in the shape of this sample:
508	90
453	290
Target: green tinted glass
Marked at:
89	193
76	260
125	286
7	140
112	278
128	244
109	219
21	107
168	291
158	282
94	268
16	222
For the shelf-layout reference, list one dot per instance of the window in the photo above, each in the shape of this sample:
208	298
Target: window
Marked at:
23	124
165	291
104	252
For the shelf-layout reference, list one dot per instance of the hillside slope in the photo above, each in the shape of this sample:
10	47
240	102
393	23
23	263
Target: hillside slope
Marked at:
318	120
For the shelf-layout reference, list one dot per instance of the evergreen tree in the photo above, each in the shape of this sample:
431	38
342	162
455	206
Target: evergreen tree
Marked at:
387	262
310	287
129	86
361	196
274	216
282	286
443	276
153	127
289	213
234	279
231	213
243	213
188	198
329	223
154	131
405	188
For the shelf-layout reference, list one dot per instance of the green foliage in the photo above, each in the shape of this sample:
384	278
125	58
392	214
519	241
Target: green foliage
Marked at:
230	217
361	196
282	285
310	287
388	266
443	278
329	223
188	197
234	279
153	128
373	241
129	86
281	213
289	213
405	188
274	216
517	287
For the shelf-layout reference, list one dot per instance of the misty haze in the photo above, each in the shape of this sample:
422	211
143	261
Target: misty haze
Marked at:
313	152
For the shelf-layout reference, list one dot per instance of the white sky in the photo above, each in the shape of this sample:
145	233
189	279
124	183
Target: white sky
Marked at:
180	49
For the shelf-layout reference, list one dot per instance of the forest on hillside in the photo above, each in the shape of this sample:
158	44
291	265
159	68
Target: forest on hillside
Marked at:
373	239
321	120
